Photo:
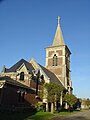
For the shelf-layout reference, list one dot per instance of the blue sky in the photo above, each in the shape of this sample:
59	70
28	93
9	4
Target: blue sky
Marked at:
27	27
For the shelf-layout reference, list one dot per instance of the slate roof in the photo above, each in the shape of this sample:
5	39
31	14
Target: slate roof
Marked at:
52	76
11	81
18	64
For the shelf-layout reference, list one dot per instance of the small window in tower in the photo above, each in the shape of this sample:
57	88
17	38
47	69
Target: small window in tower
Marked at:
55	60
22	76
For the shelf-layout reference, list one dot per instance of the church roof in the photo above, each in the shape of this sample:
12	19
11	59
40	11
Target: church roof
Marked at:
47	73
58	39
52	76
18	64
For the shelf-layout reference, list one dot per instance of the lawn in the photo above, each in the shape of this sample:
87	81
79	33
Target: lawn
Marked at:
31	116
41	116
26	116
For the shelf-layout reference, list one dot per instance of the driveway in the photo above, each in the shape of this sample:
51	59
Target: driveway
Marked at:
83	115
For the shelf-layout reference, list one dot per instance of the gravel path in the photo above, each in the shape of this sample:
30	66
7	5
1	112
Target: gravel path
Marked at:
83	115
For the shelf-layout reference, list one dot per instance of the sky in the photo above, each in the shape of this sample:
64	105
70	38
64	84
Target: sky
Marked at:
27	27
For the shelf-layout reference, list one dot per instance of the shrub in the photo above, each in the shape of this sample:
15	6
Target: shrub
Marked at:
39	106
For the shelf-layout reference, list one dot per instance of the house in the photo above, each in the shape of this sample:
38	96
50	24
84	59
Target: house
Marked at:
21	83
17	88
14	93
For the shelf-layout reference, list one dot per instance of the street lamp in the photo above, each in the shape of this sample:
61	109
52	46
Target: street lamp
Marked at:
38	78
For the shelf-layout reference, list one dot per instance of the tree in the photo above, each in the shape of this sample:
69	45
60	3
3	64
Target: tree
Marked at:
70	99
87	102
53	93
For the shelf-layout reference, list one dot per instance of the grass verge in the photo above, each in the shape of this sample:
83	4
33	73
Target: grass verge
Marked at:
32	116
26	116
41	116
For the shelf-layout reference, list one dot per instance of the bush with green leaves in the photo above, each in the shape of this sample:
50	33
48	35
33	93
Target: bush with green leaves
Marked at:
70	99
39	106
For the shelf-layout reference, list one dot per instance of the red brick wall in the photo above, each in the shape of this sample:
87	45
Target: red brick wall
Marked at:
10	96
57	71
30	98
59	61
32	84
50	53
59	52
50	62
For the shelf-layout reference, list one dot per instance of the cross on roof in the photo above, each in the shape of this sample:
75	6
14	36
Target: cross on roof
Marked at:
58	19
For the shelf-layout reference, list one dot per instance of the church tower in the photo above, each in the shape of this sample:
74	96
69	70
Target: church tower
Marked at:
58	58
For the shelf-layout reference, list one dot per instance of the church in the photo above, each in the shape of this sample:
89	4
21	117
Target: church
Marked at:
21	83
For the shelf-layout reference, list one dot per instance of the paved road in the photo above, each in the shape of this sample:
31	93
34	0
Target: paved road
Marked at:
84	115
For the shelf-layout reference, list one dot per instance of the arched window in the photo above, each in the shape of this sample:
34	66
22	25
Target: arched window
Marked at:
55	60
22	76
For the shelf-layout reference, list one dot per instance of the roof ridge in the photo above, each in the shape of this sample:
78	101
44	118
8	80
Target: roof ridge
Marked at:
53	74
59	80
18	64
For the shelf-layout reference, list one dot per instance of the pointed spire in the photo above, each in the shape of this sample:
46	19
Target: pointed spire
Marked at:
58	39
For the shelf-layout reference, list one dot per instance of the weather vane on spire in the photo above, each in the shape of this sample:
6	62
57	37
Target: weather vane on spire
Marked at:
58	19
